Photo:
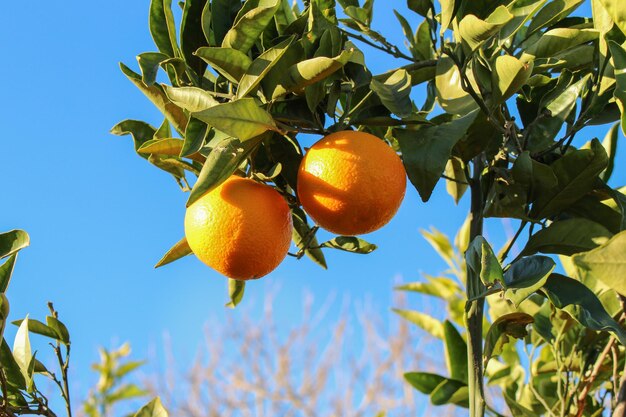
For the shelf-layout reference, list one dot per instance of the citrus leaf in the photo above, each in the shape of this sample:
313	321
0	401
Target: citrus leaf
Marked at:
522	12
615	9
242	119
195	136
229	62
606	263
153	409
261	66
35	326
582	304
576	173
426	150
301	231
11	367
140	131
157	96
610	145
167	146
6	270
557	41
458	185
552	13
191	33
475	31
450	94
619	62
509	76
499	333
424	321
179	250
441	287
424	382
192	99
22	351
150	62
13	241
162	27
350	244
455	352
525	276
249	28
220	164
450	391
567	237
483	262
310	71
236	290
61	330
395	92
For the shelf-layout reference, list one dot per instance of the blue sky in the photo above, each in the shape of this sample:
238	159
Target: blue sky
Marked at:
100	217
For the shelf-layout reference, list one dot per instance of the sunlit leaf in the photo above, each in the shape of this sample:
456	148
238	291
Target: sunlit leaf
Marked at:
236	291
179	250
229	62
424	321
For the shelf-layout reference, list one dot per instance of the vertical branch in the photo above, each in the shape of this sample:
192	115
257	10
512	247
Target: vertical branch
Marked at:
474	309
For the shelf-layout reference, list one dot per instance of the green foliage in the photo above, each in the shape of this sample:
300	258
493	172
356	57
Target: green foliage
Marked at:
111	389
517	80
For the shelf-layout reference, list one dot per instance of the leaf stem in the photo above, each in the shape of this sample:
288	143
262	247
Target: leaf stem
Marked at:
386	47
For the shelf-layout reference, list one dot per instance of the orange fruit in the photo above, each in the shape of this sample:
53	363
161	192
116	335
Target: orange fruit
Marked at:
242	228
351	183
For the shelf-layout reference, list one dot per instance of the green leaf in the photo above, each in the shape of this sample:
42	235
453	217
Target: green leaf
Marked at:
448	11
124	392
157	96
242	119
606	263
150	62
619	62
525	276
455	352
576	172
426	150
13	241
582	304
301	233
424	382
615	9
179	250
196	134
220	164
162	27
350	244
229	62
610	145
6	270
499	333
61	330
424	321
522	12
419	6
509	76
475	31
153	409
22	351
441	244
310	71
455	170
483	262
167	146
557	41
140	131
236	290
395	92
192	99
35	326
223	14
248	29
450	94
191	33
261	66
567	237
553	12
441	287
10	367
450	391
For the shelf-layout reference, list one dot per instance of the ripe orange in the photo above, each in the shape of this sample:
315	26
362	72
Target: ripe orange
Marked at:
351	183
242	228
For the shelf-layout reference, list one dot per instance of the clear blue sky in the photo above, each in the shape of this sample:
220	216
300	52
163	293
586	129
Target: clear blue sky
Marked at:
100	217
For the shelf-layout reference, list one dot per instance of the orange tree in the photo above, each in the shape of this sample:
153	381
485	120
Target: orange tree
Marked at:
517	80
